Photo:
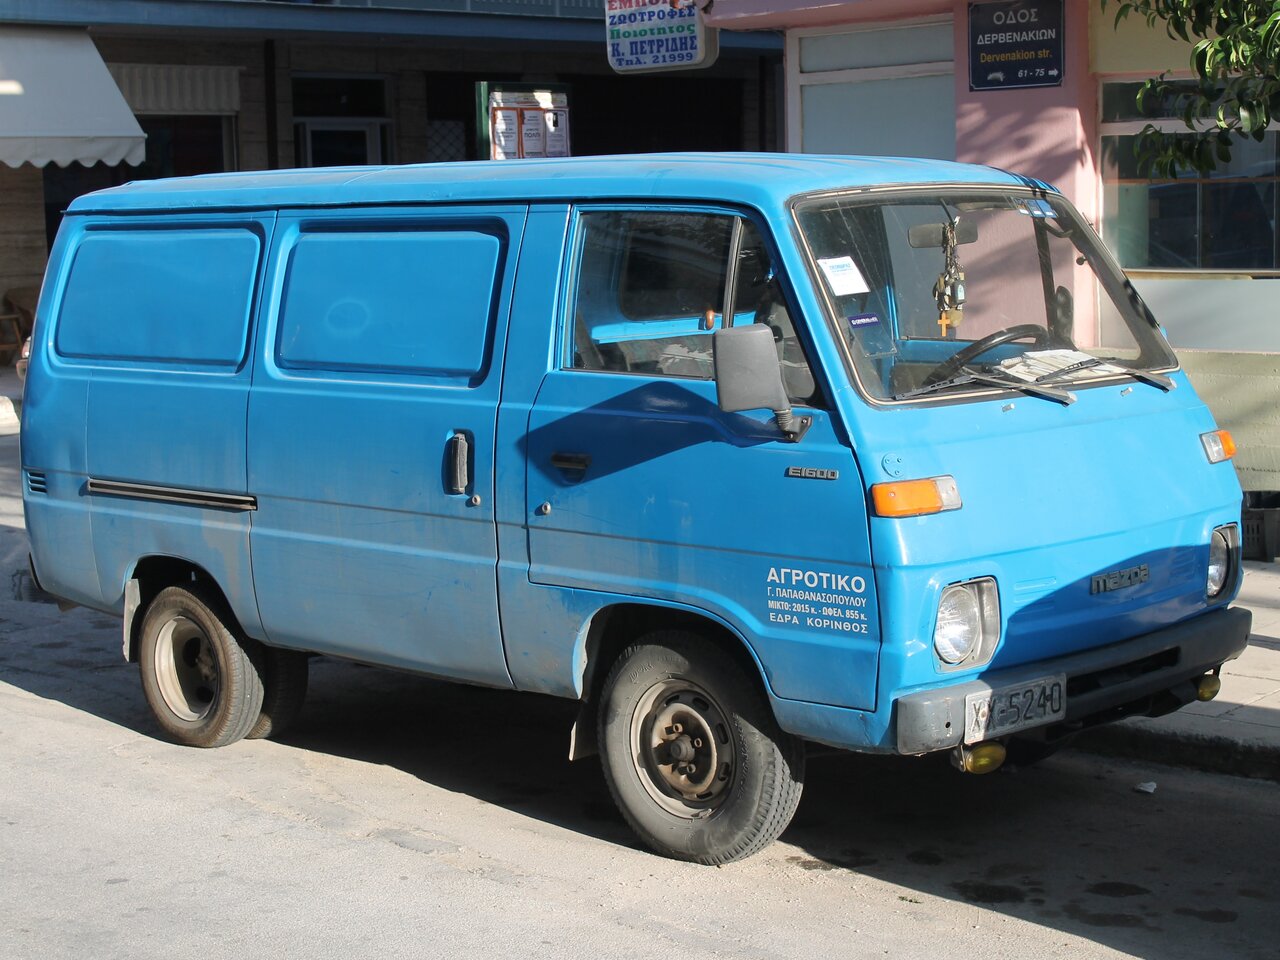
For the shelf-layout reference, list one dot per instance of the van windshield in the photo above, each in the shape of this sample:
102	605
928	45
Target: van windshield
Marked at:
951	291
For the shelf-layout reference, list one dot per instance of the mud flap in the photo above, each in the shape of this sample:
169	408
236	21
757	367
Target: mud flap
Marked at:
583	741
132	600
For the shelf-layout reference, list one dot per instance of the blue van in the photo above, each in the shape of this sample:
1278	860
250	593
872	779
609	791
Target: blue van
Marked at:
738	451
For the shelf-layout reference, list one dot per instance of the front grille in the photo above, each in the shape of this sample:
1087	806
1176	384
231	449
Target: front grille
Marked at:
37	482
1123	673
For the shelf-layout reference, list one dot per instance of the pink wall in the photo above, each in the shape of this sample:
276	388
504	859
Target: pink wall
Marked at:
1046	132
1049	132
783	14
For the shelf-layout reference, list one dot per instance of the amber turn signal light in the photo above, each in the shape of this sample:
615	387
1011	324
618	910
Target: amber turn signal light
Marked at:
915	498
1218	445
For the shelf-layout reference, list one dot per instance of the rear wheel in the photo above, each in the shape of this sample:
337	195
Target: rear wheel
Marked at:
692	753
197	675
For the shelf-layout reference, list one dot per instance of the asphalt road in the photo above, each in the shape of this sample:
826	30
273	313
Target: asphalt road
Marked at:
402	817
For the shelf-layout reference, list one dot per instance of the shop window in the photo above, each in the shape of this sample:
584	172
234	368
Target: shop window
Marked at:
177	146
1228	219
341	121
843	77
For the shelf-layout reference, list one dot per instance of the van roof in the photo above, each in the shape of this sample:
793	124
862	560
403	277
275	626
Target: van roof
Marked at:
762	180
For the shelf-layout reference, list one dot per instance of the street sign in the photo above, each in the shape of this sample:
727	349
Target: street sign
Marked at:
651	36
1014	44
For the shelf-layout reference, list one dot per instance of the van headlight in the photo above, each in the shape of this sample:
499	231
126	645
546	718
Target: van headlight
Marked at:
1222	560
967	628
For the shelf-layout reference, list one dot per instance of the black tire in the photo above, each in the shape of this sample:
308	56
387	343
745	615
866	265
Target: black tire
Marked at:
197	671
284	688
674	701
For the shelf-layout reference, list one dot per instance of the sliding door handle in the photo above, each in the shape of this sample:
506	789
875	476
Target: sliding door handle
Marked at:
572	466
571	461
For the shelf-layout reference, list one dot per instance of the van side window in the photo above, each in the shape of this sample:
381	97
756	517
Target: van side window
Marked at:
179	296
651	291
410	301
758	298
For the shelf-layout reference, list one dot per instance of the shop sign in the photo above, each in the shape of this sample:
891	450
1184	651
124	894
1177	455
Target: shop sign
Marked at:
1015	43
650	36
525	121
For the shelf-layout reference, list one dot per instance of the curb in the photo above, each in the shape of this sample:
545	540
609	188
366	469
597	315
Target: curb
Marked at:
1210	754
9	414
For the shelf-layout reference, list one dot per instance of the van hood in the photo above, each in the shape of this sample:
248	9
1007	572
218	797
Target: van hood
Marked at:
1094	518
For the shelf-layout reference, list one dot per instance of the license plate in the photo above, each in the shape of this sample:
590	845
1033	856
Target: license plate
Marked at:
1015	707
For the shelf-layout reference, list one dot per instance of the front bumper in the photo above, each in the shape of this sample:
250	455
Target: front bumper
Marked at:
1132	677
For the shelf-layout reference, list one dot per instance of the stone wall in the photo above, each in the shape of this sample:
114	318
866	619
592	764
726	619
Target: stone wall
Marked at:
1243	391
406	63
22	239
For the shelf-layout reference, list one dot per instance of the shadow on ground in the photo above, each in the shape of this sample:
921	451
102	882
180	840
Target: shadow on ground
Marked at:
1186	871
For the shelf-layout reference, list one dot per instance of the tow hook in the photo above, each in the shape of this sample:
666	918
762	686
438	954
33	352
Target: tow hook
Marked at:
978	757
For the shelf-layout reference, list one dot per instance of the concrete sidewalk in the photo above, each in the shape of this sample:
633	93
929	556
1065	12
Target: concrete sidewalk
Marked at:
1239	731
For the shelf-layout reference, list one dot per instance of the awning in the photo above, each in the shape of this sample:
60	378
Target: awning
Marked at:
58	103
168	89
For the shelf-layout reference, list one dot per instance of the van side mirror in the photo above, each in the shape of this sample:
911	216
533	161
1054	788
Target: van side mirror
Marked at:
748	377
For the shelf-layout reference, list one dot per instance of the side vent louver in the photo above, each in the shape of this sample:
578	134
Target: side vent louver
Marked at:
36	482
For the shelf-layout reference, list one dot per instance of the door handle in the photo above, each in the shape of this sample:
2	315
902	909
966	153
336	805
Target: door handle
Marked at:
458	454
572	465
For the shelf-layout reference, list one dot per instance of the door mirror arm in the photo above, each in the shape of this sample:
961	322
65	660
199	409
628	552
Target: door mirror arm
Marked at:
749	377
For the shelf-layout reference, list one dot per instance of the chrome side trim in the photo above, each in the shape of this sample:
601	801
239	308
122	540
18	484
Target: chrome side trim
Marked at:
193	498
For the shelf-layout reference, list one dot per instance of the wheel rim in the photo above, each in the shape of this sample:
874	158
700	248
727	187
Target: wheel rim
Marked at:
186	669
682	748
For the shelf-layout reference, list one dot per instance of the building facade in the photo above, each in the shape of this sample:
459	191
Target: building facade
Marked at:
218	85
940	78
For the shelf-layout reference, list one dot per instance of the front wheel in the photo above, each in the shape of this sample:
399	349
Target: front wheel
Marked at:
692	754
197	673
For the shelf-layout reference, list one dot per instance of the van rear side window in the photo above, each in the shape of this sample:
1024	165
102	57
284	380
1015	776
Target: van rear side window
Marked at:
414	301
165	296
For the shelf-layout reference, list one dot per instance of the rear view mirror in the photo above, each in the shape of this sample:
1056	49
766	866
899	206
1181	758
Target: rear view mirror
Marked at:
748	376
926	235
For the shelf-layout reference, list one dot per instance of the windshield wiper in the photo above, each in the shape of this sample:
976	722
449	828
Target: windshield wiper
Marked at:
969	375
1142	376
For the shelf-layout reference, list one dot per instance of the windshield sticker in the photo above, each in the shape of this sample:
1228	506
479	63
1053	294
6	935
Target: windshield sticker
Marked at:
874	337
843	275
1036	208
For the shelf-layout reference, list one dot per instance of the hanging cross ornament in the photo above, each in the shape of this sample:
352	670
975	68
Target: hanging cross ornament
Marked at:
949	290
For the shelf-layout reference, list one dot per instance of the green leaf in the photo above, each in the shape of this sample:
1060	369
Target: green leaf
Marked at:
1201	55
1248	118
1269	39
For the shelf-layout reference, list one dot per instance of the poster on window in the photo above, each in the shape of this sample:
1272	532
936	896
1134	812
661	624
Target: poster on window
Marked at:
505	124
650	36
525	123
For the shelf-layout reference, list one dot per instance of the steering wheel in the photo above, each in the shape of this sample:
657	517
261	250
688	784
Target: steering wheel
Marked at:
951	366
